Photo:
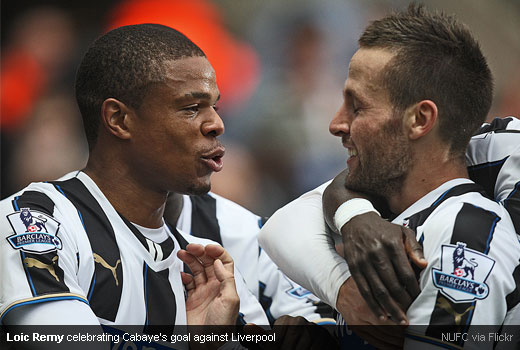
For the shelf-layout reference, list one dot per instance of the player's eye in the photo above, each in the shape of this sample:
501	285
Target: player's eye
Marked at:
216	108
192	108
356	108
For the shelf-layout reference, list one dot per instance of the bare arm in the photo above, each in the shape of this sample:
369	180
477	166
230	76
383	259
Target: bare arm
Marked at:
377	254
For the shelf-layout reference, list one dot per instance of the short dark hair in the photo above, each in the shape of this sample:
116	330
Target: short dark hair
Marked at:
121	64
438	59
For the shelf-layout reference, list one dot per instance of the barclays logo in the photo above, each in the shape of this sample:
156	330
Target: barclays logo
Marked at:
34	232
463	273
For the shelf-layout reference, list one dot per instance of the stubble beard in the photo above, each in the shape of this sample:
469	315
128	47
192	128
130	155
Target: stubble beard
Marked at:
197	189
383	167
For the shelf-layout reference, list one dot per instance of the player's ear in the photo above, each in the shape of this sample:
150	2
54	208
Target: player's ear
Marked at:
115	117
420	119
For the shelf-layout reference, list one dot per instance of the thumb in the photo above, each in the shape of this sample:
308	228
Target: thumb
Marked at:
413	248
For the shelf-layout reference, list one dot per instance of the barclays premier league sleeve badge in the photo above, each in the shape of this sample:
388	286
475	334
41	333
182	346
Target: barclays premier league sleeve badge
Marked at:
34	231
463	273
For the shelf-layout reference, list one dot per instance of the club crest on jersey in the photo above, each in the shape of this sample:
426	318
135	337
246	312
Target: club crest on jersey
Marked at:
299	292
34	232
463	273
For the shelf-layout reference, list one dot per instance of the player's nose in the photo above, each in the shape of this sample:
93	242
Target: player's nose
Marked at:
339	125
214	126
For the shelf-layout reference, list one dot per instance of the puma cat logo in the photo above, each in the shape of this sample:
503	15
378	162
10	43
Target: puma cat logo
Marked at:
102	262
446	306
31	262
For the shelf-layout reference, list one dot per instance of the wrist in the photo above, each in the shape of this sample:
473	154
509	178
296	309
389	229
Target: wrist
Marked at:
351	208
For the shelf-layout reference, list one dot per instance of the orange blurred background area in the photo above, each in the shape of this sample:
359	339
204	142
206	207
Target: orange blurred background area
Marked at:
236	63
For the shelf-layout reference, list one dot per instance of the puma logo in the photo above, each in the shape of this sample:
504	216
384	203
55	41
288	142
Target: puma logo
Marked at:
446	306
102	262
31	262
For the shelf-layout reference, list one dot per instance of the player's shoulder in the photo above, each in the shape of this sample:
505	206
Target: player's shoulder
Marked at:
227	205
472	216
457	205
37	195
310	200
318	191
27	221
194	239
494	140
499	125
42	195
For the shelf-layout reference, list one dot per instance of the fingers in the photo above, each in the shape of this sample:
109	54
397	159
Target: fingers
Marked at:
406	276
378	262
209	262
226	279
218	252
392	297
383	287
364	290
220	271
206	256
196	267
353	307
199	252
413	248
382	296
398	273
188	281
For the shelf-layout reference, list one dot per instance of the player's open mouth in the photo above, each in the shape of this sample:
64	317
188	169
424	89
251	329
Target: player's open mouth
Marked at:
214	160
352	154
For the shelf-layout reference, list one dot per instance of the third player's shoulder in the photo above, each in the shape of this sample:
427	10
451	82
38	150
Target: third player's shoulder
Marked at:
507	124
187	239
224	209
231	207
494	142
316	192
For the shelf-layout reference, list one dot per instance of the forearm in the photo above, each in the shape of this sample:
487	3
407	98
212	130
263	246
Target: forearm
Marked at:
374	248
296	239
336	194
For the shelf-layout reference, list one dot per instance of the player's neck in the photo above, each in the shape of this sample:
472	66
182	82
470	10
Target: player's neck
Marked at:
174	207
127	194
426	175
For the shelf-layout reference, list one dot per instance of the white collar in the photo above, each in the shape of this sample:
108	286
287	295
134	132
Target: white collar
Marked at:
428	199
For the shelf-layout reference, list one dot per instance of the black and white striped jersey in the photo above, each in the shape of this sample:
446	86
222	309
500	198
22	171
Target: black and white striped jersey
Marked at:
473	254
63	240
236	229
493	159
473	272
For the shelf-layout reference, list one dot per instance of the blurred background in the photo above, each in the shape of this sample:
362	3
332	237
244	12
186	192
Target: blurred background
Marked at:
280	67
